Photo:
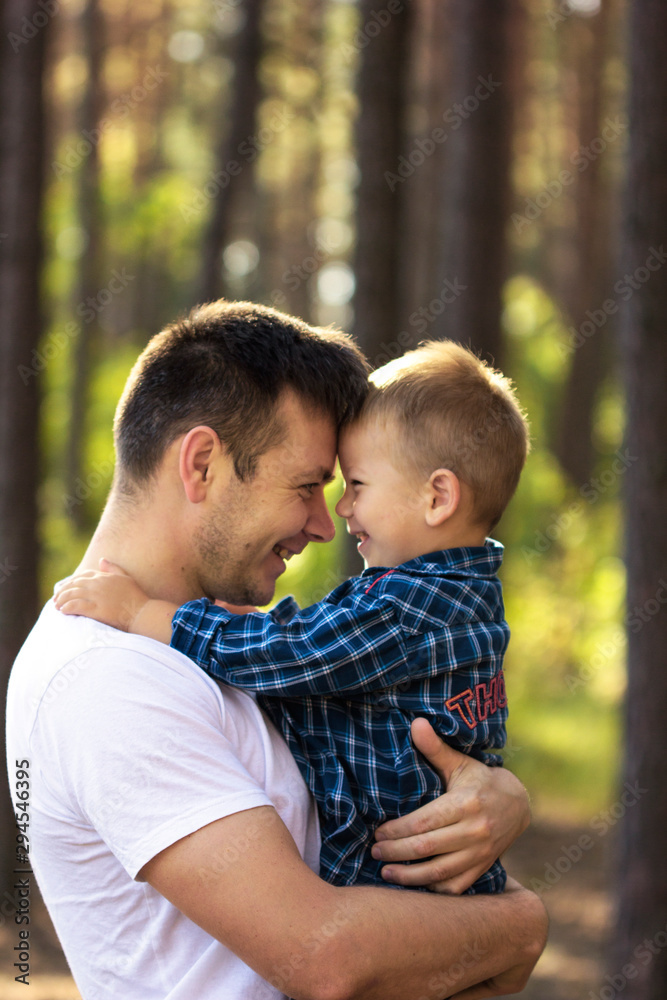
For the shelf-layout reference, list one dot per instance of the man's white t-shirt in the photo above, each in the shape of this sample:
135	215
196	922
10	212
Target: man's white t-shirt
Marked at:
132	747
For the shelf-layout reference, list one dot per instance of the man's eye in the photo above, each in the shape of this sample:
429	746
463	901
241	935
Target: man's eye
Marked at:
309	488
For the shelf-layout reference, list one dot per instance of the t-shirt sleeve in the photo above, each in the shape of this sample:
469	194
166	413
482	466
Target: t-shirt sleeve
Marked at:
144	750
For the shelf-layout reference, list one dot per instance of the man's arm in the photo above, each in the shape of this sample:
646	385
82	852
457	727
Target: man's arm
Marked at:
318	942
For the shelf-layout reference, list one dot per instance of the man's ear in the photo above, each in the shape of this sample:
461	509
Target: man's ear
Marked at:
443	495
199	448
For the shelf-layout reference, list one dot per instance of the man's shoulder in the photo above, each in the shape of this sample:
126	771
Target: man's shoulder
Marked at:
74	660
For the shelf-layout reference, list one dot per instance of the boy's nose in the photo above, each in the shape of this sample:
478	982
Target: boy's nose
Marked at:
344	505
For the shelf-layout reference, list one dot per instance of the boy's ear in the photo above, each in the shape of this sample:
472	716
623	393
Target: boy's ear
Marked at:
444	496
199	449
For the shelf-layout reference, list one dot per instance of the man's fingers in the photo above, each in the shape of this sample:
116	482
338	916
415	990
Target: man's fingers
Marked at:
438	815
442	757
447	875
413	846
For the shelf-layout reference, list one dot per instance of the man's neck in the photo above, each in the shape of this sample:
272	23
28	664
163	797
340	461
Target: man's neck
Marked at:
144	542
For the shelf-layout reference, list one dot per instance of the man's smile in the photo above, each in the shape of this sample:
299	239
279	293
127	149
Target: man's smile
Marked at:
284	553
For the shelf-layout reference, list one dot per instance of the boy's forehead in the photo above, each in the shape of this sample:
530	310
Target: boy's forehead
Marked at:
363	433
362	440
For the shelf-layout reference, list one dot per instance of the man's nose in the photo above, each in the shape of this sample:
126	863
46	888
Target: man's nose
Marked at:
319	527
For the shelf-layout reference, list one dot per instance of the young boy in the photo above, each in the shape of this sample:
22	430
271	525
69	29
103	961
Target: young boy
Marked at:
429	466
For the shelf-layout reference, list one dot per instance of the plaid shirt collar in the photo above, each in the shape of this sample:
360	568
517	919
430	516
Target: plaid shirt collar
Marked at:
480	561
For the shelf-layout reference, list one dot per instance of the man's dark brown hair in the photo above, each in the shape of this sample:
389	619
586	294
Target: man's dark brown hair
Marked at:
226	365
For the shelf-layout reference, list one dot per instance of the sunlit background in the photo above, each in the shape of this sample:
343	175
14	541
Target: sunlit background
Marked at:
143	99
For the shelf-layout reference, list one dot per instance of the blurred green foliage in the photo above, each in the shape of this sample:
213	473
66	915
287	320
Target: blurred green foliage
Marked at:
563	577
564	587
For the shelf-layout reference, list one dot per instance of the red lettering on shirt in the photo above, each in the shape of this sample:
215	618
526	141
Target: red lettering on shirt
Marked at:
502	696
461	704
485	701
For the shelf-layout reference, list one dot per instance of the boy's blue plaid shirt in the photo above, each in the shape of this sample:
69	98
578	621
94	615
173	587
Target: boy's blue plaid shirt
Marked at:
344	678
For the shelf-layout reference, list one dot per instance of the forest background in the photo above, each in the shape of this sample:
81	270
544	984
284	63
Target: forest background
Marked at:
403	170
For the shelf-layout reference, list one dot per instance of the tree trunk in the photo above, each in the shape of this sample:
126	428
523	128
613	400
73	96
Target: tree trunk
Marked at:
88	284
486	47
381	83
428	96
380	87
291	242
641	934
21	171
246	94
591	279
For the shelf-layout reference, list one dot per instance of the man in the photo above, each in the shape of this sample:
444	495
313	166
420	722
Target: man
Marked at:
171	833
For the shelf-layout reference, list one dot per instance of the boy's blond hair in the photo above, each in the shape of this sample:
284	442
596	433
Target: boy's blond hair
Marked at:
449	409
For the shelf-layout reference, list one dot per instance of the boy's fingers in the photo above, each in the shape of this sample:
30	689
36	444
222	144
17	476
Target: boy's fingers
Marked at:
73	607
108	567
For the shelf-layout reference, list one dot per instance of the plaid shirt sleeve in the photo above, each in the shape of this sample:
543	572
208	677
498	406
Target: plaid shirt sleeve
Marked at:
357	646
324	649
